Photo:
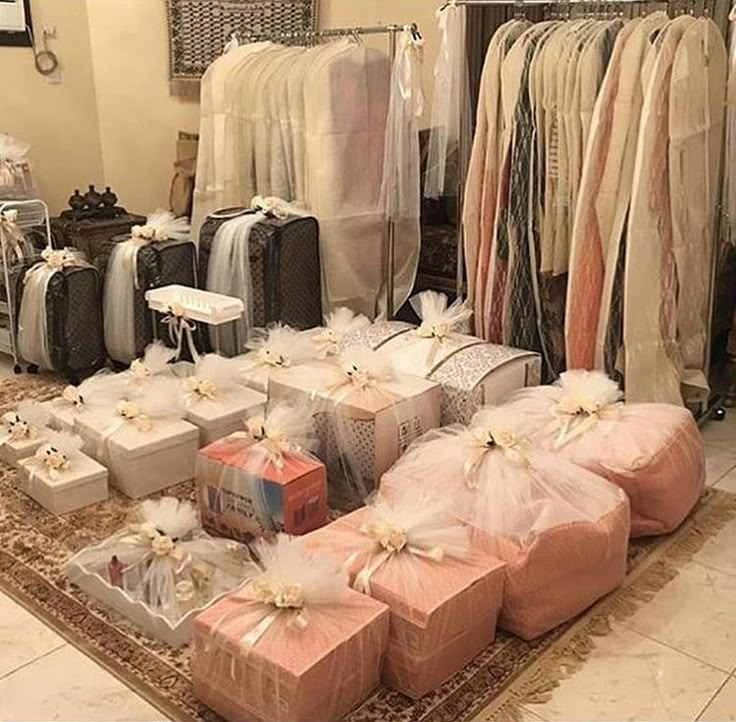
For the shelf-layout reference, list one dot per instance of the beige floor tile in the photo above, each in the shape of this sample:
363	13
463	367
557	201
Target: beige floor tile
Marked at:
720	551
66	685
720	431
632	677
696	614
728	481
720	459
23	638
723	707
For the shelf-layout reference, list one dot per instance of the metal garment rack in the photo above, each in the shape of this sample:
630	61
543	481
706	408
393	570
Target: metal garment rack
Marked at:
713	408
392	30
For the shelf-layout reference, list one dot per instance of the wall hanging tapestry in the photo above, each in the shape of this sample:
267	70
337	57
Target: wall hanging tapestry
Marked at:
199	29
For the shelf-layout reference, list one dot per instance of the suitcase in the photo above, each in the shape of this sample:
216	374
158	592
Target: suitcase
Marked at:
158	264
284	267
76	341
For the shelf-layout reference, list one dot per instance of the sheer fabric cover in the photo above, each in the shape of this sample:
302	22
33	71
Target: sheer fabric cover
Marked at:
411	553
562	530
293	644
654	452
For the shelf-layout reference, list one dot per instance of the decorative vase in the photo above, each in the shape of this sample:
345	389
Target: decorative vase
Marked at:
76	201
109	198
92	198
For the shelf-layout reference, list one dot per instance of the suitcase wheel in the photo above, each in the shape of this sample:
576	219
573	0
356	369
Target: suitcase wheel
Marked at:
17	369
32	369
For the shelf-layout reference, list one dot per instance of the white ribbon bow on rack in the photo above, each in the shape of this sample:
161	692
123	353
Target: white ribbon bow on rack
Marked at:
143	235
484	441
180	327
575	415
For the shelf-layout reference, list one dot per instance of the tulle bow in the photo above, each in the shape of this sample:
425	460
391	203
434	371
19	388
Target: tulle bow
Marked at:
273	440
338	326
180	328
60	258
15	428
148	234
52	461
198	388
72	395
575	416
482	441
439	321
130	412
157	544
273	206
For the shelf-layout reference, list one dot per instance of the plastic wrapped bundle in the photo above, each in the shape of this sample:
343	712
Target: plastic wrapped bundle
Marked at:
100	391
60	477
273	349
294	643
411	553
22	431
654	452
161	570
16	183
263	479
142	439
562	530
122	280
340	325
366	415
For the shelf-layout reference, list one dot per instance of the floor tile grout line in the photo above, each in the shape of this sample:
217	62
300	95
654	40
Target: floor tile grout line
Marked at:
712	699
533	713
33	661
714	568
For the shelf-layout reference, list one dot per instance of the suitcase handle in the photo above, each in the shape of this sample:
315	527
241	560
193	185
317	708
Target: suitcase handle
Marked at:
226	213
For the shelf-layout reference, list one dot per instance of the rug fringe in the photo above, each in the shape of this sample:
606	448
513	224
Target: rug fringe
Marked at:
565	659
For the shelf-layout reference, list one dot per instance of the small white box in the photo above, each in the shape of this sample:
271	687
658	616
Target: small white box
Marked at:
82	485
64	416
216	419
143	462
11	452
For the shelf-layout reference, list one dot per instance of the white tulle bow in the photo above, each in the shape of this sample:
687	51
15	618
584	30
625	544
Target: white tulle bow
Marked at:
9	217
273	441
51	461
575	415
16	428
130	412
482	441
198	388
72	395
273	206
148	234
60	258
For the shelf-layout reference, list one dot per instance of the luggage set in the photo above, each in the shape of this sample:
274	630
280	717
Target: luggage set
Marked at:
285	286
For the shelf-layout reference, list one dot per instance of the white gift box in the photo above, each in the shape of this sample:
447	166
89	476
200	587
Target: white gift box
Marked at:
143	462
224	415
63	416
83	484
12	451
472	373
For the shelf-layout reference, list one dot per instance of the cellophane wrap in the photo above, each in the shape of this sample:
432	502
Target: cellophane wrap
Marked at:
264	479
210	381
340	325
272	349
121	280
654	452
366	415
100	391
410	552
293	643
562	530
165	561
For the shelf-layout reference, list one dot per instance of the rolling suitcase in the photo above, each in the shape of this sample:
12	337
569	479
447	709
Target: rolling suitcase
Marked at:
284	267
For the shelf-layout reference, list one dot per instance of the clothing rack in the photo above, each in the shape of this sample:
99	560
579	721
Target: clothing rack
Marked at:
392	30
713	409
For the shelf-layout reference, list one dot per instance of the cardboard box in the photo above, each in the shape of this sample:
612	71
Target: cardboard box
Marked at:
143	462
85	483
364	432
216	419
241	498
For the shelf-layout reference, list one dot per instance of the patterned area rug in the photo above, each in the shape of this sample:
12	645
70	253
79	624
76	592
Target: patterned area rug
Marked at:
35	544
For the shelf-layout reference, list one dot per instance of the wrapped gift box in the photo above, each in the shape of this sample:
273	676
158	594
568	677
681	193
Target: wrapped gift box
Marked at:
372	429
223	416
63	416
82	485
12	451
240	496
317	673
472	373
143	462
429	619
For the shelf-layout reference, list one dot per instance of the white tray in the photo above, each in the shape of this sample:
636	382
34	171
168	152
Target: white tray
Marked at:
203	306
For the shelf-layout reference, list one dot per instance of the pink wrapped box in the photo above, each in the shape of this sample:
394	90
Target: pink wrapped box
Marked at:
375	428
429	627
316	673
239	497
216	419
561	573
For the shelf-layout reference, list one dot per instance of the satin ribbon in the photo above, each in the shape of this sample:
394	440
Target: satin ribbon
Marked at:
484	441
274	442
328	341
392	540
181	327
571	424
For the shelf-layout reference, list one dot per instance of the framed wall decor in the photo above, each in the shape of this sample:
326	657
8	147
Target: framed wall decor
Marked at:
199	29
15	23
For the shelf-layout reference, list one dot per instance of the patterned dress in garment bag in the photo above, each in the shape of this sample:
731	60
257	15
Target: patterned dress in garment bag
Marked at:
589	236
491	182
697	104
653	361
636	65
346	104
481	157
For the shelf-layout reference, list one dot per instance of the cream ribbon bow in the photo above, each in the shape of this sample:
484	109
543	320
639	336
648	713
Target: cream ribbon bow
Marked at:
484	441
58	259
72	395
143	235
575	415
180	327
199	388
328	341
140	370
267	357
273	206
156	546
16	428
390	540
273	441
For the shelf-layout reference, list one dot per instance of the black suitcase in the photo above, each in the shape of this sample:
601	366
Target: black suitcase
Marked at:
284	267
159	264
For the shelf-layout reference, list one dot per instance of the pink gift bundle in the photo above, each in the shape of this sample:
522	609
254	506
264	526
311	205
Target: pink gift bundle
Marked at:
562	530
293	644
410	553
366	415
654	452
263	479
